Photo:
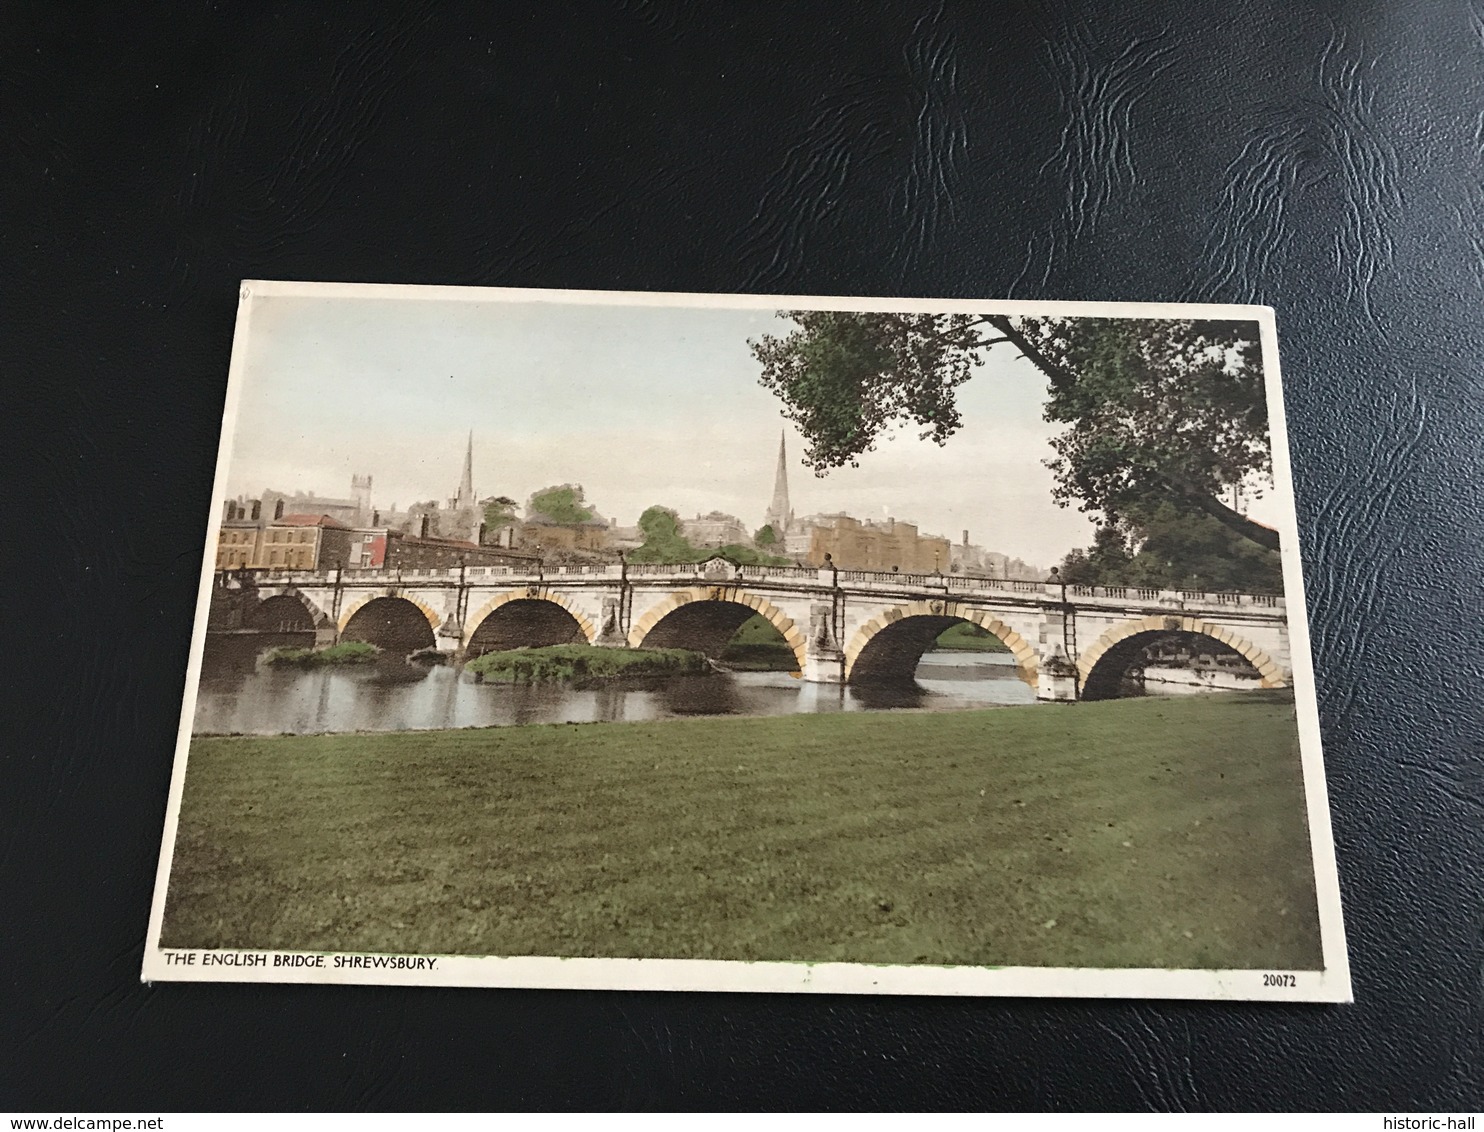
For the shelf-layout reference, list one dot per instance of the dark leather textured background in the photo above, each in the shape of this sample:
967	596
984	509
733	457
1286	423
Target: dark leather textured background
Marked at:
1324	158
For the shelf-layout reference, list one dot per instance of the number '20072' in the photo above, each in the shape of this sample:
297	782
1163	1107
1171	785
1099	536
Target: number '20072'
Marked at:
1279	981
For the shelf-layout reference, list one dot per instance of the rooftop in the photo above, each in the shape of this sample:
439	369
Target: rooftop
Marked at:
309	521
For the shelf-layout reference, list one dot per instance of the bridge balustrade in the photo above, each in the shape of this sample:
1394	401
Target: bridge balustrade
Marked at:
866	580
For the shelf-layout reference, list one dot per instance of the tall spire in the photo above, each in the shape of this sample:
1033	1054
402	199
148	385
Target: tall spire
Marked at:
780	515
465	498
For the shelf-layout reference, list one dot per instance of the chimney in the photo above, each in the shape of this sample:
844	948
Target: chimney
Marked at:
966	540
423	528
376	518
278	509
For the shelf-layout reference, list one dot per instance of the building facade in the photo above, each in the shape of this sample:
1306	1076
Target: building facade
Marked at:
715	529
853	544
354	511
544	535
254	541
977	562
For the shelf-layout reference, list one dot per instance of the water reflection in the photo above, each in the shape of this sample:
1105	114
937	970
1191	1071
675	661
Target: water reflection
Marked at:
239	696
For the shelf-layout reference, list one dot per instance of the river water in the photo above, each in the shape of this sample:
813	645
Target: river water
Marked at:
239	696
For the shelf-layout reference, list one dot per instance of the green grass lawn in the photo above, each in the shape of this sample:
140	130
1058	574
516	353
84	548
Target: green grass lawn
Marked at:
1148	833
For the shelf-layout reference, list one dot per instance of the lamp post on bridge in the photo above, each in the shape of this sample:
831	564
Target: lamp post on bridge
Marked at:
335	599
1058	679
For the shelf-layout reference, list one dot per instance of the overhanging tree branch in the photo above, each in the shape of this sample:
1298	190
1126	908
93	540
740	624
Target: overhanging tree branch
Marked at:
1208	503
1061	378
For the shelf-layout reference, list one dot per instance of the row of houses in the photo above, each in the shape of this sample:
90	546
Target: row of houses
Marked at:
253	538
308	531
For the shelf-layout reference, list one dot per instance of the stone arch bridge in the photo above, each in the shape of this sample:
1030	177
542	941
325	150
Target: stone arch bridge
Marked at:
1068	642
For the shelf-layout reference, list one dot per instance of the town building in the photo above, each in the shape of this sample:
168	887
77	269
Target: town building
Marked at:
854	544
850	543
715	529
624	538
252	538
541	534
977	562
353	511
395	550
578	540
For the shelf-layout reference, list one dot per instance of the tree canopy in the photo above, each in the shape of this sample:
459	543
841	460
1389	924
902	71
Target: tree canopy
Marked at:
1176	550
563	503
664	542
499	511
1154	409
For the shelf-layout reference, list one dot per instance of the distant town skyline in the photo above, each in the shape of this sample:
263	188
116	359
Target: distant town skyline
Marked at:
642	405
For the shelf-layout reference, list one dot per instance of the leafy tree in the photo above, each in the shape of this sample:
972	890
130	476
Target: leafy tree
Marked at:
499	511
1106	563
659	524
1182	550
1177	550
663	541
1156	410
748	555
561	504
766	536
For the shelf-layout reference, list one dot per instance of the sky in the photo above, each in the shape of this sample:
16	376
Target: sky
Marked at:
642	405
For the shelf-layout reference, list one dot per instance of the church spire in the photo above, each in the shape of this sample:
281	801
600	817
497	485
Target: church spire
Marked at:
465	497
780	515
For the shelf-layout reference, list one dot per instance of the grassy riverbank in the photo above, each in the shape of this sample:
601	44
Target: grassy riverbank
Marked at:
965	637
1160	833
346	652
582	663
758	647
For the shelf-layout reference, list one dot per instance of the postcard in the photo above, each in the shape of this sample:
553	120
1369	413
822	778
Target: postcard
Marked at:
734	642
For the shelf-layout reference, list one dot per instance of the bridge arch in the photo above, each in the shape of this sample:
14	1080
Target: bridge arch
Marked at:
1101	665
705	618
531	616
290	611
890	644
390	621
